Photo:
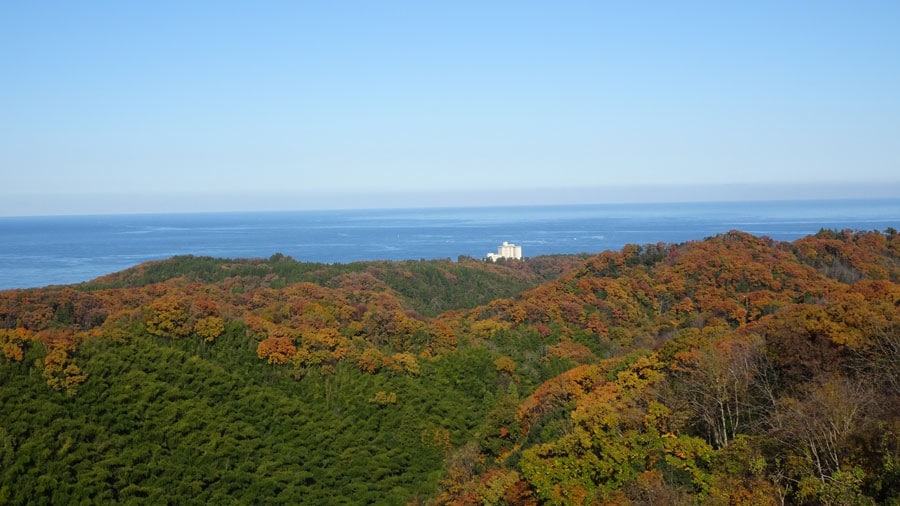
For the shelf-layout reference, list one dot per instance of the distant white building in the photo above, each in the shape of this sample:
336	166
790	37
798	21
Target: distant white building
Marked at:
506	250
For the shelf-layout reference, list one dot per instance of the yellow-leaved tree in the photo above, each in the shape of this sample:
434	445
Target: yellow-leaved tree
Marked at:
168	317
209	328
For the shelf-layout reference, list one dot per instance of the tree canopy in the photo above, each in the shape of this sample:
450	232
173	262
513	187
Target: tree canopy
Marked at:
733	370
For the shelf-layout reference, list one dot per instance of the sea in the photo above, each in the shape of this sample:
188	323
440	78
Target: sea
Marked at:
56	250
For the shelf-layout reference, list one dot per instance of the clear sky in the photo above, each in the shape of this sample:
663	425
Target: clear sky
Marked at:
171	106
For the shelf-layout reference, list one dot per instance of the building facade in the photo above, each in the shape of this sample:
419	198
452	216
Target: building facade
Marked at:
506	250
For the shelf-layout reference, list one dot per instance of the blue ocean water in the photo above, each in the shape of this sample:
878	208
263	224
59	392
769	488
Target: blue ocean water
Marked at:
39	251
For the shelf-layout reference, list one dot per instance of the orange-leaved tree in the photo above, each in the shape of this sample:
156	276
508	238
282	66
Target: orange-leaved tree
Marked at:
276	350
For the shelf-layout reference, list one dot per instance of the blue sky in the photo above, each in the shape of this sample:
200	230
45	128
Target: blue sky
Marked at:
180	106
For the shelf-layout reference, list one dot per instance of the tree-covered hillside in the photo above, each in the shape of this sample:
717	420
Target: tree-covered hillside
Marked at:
735	370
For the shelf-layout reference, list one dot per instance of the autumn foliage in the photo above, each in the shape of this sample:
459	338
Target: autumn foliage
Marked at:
734	370
276	350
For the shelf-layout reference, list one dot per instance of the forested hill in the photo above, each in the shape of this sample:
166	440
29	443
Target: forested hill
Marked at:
427	286
734	370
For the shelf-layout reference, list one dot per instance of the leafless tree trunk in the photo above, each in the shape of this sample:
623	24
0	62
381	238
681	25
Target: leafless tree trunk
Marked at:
717	381
819	425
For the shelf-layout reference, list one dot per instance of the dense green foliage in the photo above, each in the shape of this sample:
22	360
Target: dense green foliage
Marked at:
735	370
162	420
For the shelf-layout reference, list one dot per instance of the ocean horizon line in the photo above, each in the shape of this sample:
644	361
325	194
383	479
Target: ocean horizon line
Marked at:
184	202
463	207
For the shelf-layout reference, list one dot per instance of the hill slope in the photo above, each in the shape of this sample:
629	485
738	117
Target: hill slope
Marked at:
732	370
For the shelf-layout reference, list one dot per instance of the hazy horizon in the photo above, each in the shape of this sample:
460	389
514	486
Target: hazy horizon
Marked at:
113	204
